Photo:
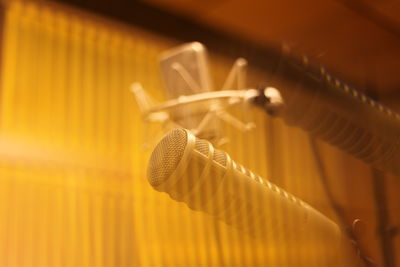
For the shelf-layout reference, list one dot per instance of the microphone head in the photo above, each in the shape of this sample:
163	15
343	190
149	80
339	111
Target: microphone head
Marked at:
166	156
174	155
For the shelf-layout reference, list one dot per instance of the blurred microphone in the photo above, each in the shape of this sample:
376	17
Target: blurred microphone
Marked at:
314	100
190	170
192	101
184	71
321	104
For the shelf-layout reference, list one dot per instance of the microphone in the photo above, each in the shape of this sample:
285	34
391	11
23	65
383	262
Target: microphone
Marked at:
185	71
190	170
192	103
326	107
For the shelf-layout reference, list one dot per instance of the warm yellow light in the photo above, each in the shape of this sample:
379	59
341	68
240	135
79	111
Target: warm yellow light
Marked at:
73	190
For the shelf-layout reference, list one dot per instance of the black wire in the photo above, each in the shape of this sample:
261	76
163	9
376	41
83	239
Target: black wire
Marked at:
379	186
346	226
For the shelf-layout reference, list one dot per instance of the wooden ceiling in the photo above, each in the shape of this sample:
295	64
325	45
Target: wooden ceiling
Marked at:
358	40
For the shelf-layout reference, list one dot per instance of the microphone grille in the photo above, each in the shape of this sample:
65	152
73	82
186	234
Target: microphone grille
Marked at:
220	157
166	156
202	146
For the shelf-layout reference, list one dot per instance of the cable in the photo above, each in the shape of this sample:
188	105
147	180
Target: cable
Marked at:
347	227
379	185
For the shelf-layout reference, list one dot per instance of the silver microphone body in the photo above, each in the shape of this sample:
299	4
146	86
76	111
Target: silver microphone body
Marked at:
321	104
206	179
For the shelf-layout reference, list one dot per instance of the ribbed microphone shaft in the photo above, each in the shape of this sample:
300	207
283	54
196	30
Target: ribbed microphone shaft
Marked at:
326	107
207	179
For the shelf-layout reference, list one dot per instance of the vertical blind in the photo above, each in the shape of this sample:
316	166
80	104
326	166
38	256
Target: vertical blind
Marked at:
73	188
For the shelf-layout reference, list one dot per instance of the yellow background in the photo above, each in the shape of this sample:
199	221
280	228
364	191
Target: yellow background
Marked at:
73	187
